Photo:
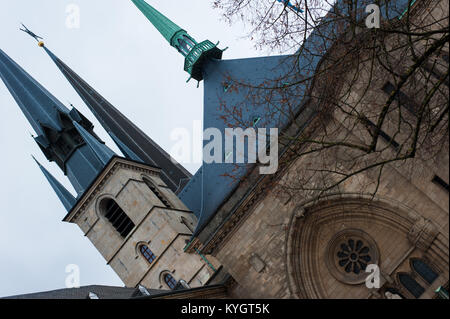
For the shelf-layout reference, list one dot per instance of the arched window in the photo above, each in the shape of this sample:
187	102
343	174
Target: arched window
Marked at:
147	253
116	216
170	281
411	285
424	271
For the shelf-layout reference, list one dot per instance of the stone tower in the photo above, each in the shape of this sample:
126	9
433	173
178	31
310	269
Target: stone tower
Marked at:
140	227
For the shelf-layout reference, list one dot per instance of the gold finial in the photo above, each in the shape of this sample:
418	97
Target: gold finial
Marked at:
41	44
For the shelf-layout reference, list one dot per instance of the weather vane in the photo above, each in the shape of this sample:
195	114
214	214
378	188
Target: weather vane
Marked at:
36	37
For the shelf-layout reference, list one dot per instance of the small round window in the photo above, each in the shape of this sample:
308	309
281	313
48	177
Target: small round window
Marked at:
353	256
349	253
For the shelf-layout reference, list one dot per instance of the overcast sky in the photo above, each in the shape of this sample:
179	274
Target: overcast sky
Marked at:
122	56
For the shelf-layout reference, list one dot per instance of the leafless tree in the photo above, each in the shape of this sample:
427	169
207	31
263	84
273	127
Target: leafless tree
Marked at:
377	98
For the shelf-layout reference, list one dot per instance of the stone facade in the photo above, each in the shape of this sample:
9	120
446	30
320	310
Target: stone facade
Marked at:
279	246
162	223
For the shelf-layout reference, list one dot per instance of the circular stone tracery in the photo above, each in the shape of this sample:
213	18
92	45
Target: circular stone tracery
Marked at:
348	254
354	256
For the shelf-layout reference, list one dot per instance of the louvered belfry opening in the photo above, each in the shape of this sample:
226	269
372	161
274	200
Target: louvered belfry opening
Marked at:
117	217
156	191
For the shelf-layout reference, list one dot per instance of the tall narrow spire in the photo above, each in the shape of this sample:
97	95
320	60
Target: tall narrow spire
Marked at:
127	152
39	106
102	151
123	131
195	54
165	26
66	198
57	137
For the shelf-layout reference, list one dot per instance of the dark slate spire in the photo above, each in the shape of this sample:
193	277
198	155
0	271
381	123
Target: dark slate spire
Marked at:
102	151
63	194
37	104
57	137
195	54
120	128
125	149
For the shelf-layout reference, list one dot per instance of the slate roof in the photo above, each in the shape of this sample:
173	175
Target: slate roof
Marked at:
103	292
212	185
213	182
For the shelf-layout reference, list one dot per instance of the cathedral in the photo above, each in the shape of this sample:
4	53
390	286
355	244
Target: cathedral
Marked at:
229	231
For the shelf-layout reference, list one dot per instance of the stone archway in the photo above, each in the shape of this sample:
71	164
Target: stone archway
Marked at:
317	266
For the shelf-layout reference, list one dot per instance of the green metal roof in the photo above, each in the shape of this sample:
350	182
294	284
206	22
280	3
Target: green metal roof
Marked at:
166	27
196	54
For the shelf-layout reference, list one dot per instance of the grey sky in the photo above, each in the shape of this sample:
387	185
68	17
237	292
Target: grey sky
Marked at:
120	54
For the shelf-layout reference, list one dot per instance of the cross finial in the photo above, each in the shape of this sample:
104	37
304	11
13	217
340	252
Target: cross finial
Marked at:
32	34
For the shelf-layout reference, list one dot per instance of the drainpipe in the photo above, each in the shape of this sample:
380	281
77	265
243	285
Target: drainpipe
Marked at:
407	9
205	259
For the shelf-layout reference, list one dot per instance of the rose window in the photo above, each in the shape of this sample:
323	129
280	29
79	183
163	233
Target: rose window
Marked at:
353	256
348	254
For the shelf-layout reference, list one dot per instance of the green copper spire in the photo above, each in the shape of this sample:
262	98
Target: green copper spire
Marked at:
166	27
195	53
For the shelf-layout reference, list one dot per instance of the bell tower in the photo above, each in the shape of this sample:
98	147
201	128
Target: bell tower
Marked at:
141	227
